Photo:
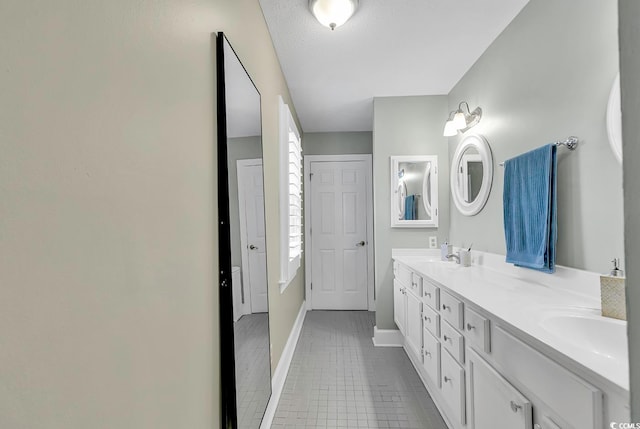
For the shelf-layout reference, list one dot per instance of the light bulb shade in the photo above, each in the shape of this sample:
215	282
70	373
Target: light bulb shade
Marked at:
450	129
333	13
460	120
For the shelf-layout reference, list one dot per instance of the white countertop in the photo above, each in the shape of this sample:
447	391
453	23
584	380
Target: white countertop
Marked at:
527	300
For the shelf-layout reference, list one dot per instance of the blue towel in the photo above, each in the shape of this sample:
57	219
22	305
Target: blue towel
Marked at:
530	214
409	207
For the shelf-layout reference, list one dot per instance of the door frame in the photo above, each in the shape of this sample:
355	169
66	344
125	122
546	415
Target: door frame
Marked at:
367	158
241	164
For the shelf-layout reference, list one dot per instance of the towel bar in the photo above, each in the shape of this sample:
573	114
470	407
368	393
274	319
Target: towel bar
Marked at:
571	143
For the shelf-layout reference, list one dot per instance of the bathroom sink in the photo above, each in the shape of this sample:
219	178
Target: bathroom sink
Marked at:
586	329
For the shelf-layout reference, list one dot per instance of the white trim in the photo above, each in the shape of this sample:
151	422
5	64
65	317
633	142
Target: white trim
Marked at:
308	159
280	374
246	283
387	337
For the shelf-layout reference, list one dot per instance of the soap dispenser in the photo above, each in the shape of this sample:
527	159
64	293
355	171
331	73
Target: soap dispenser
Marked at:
612	293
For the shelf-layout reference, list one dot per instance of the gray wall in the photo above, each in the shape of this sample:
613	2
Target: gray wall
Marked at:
404	126
548	76
108	214
238	148
629	75
343	143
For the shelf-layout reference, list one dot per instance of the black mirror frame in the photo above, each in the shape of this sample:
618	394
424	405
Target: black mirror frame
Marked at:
228	412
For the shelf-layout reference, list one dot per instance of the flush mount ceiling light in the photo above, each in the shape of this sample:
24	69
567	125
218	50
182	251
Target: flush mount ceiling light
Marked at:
333	13
461	120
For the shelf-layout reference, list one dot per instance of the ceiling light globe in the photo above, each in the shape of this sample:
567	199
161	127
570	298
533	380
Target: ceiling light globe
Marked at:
333	13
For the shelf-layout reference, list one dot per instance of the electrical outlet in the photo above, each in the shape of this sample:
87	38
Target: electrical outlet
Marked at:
433	242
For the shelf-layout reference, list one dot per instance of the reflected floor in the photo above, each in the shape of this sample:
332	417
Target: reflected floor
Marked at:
339	379
253	372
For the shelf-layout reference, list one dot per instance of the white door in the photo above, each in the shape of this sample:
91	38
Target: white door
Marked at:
254	264
339	272
413	327
399	306
493	402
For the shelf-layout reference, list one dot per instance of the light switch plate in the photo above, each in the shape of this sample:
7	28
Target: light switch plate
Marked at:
433	242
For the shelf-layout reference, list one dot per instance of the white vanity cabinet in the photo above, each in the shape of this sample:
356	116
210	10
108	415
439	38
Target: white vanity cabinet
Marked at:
399	306
413	327
478	370
493	402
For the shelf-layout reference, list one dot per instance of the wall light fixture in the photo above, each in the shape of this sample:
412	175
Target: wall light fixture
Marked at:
459	120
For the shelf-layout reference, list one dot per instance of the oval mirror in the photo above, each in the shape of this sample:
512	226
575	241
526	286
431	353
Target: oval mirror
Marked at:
471	174
614	120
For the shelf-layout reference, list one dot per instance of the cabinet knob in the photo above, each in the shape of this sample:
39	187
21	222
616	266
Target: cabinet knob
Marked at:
427	294
444	307
515	407
427	354
446	379
470	327
444	337
428	319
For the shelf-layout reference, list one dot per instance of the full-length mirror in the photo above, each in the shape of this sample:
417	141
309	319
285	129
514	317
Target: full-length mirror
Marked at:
246	362
414	191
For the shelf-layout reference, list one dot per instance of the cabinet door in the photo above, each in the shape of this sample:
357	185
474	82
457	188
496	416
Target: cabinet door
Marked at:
399	306
493	402
413	325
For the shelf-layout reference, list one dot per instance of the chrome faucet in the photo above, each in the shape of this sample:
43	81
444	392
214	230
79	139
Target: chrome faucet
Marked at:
454	256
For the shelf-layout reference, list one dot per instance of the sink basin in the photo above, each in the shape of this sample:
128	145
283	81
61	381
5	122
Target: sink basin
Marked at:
587	329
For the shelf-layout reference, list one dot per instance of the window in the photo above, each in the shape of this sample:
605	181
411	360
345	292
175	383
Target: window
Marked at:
290	197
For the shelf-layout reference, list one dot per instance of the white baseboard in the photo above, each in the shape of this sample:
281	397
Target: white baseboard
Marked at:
280	374
387	337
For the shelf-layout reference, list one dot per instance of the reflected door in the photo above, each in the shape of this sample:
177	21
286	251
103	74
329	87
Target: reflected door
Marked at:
255	266
339	235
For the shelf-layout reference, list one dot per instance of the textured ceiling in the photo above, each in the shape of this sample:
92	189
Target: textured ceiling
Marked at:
388	48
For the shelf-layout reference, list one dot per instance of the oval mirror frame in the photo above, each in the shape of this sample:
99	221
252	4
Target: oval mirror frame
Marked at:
480	144
614	120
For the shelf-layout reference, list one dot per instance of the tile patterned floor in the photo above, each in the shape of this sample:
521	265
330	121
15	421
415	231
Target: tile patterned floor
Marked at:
253	370
338	379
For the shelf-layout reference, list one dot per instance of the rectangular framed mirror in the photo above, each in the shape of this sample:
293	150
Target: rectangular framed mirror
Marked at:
245	357
414	191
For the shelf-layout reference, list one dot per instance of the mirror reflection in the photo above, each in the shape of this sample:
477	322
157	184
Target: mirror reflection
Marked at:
470	174
414	188
248	245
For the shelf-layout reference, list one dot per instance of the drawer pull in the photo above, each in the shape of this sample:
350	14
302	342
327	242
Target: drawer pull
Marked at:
446	379
444	307
515	407
470	327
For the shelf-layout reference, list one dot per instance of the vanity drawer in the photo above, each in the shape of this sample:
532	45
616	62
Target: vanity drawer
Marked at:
451	310
431	361
453	341
453	386
477	330
431	320
404	275
416	285
571	398
431	294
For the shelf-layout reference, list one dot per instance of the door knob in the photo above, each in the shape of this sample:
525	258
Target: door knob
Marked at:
362	243
252	247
